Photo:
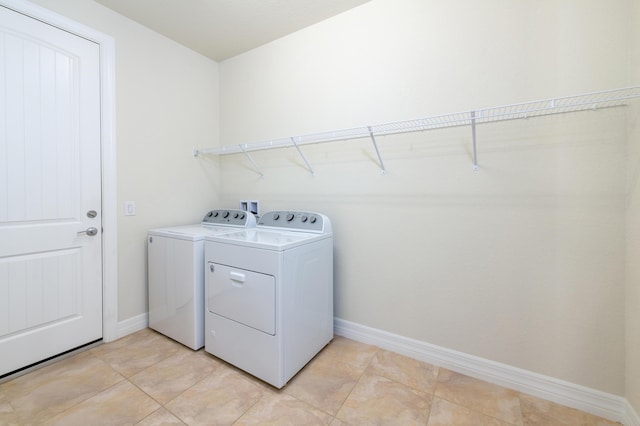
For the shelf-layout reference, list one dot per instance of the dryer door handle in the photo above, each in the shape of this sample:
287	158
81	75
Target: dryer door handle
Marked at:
237	277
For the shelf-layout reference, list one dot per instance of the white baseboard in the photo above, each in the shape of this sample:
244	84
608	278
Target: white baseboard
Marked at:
631	417
133	324
611	407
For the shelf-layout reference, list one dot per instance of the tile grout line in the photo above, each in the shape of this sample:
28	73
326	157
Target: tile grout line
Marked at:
161	405
357	381
473	410
183	392
433	394
91	354
252	405
268	392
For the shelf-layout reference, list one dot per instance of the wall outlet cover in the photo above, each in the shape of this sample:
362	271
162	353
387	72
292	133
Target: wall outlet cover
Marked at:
129	208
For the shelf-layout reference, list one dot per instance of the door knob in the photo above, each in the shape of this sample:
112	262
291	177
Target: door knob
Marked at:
89	231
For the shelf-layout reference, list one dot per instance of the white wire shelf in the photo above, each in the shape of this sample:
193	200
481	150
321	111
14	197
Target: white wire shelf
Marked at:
582	102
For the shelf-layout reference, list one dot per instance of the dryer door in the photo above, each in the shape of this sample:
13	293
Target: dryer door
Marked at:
243	296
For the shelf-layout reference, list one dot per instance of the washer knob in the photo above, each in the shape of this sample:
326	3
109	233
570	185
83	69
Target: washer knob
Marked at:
210	214
216	214
276	216
226	215
313	219
235	216
290	217
241	215
303	219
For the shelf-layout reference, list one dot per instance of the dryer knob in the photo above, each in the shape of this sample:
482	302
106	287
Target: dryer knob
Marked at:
241	215
313	219
276	216
290	217
216	214
303	219
226	215
210	214
235	216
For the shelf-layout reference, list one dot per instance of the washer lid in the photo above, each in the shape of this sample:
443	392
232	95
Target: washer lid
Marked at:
214	222
267	239
191	232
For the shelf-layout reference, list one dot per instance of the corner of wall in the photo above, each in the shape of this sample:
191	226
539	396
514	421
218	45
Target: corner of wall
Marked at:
632	272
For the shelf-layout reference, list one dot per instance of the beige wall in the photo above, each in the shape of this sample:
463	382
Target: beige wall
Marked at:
633	229
521	262
166	104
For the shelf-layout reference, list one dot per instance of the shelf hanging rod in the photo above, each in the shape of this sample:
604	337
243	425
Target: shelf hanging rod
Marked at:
303	157
251	160
375	145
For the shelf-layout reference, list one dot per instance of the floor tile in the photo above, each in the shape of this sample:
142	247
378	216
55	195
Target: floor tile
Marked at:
219	399
445	413
328	379
378	400
119	405
160	417
8	416
347	356
139	353
346	384
50	390
408	371
282	410
170	377
322	386
124	342
477	395
538	412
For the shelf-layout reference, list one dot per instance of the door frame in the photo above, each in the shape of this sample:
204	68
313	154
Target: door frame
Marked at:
107	151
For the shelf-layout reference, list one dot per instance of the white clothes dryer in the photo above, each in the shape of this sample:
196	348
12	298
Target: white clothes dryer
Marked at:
269	294
176	274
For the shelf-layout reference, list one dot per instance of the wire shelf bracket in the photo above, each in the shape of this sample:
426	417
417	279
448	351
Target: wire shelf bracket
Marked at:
251	160
476	167
375	145
583	102
303	157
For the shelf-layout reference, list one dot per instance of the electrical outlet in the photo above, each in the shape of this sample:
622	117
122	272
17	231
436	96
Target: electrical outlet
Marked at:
129	208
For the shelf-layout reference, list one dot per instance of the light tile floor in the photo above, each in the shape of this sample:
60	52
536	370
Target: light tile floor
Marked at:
148	379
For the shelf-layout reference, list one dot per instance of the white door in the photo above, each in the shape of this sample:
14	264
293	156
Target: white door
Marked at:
50	191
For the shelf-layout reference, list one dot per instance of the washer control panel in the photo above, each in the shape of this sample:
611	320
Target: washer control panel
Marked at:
229	217
295	221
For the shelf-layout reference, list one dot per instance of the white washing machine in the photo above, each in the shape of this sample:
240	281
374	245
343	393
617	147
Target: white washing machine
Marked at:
269	294
176	274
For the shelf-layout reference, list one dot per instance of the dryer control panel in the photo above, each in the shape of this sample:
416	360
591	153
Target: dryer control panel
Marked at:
238	218
296	221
